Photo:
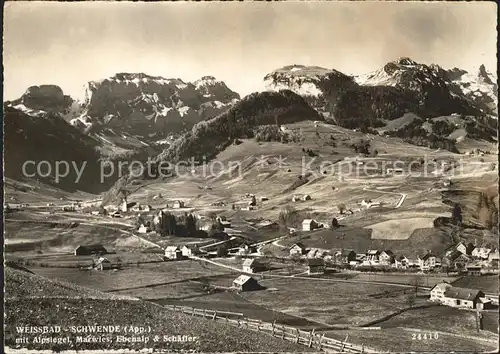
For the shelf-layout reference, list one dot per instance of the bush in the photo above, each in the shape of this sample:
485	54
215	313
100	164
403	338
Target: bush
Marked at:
361	147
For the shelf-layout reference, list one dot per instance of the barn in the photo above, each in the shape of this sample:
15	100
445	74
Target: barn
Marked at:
253	265
315	266
87	250
191	250
173	252
246	283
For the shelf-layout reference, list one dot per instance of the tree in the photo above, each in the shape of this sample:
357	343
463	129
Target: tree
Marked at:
167	224
222	251
191	224
410	300
456	214
288	217
342	208
417	282
335	223
254	201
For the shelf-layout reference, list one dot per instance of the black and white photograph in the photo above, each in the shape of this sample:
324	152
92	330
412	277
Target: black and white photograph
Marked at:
250	177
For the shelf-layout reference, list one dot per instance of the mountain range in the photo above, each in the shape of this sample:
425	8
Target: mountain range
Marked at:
399	87
138	115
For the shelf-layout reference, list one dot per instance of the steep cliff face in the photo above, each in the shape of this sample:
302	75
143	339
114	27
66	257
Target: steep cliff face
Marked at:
400	86
43	99
143	104
321	87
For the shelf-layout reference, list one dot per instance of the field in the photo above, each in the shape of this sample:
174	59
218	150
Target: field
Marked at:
230	301
441	318
135	277
424	280
329	302
400	229
397	340
487	283
36	301
76	312
63	237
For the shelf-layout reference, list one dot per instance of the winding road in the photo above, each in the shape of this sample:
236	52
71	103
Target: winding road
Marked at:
400	202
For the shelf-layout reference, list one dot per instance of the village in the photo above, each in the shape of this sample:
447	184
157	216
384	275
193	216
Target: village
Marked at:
224	241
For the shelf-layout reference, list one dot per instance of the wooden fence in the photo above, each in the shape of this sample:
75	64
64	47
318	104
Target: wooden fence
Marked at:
292	334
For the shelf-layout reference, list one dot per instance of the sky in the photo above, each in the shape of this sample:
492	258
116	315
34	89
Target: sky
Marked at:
69	44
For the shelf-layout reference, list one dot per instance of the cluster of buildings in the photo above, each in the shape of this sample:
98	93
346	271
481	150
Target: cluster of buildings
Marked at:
474	260
178	252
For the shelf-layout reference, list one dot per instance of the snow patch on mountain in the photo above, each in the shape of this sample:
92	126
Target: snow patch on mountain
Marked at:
455	86
303	80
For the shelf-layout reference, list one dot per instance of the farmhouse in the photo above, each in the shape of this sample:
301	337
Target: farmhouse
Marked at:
462	297
246	283
401	262
428	261
309	225
246	249
493	257
297	249
253	266
449	295
143	229
437	292
315	266
115	214
473	269
372	256
191	250
347	256
102	264
462	248
386	257
457	259
481	252
173	252
88	250
178	204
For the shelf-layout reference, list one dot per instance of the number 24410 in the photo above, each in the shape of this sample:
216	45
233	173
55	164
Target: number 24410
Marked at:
424	336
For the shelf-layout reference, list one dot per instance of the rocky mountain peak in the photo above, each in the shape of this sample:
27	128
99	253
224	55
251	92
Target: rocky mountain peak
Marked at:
405	61
45	97
485	76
